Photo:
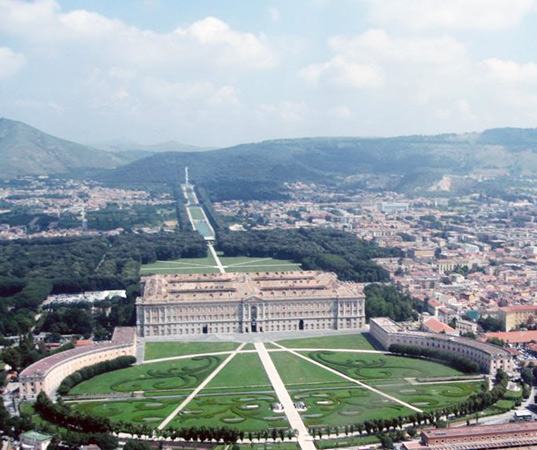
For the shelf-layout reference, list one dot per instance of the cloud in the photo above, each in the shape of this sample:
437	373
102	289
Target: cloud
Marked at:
10	63
274	14
207	42
378	45
450	14
368	59
510	71
339	73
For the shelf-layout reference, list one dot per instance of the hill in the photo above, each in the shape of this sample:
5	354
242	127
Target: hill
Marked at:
405	163
25	150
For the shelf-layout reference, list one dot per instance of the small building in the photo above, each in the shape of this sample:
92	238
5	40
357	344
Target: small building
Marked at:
34	440
435	326
517	315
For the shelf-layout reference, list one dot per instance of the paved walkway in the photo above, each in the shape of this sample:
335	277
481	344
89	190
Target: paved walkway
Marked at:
304	438
196	391
216	258
365	386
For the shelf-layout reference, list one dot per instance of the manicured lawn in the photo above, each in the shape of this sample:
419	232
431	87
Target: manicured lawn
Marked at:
347	341
433	396
185	265
244	370
294	370
370	366
253	264
157	350
150	411
346	406
249	412
179	374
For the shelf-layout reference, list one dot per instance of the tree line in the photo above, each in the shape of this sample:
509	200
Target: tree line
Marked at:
86	373
315	249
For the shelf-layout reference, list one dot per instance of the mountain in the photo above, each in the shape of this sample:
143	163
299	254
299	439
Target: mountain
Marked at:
25	150
122	145
406	163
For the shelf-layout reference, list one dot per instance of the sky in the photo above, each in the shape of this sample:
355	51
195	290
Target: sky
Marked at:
223	72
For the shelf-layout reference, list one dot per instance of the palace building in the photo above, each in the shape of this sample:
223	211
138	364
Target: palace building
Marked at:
175	305
47	374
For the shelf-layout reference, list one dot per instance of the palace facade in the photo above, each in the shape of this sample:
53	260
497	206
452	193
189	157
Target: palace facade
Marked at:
175	305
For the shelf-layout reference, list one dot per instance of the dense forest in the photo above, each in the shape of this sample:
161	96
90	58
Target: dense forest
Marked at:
315	249
32	269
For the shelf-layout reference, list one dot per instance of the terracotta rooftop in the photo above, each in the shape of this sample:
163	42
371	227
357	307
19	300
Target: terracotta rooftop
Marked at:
238	286
519	308
436	326
514	337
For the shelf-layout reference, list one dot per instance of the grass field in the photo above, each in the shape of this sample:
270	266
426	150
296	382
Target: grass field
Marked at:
158	350
294	370
163	376
370	367
248	412
348	341
245	370
208	265
240	395
150	412
346	406
185	265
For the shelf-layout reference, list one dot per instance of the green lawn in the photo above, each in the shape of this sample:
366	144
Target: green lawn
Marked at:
346	406
376	367
163	376
348	341
294	370
433	396
185	265
150	411
248	412
157	350
244	370
254	264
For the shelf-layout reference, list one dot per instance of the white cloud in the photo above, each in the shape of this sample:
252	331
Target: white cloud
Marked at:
339	73
450	14
510	71
10	63
207	42
378	45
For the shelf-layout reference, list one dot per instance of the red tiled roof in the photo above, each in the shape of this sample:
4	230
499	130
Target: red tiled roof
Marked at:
436	326
519	308
514	337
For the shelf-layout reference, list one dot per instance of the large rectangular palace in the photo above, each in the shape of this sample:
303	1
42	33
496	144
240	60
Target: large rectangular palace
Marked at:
175	305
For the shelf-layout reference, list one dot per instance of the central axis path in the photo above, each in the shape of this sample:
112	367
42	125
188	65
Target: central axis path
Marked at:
304	438
196	391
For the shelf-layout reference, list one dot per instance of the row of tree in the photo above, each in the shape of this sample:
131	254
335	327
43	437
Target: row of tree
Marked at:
316	249
91	371
458	362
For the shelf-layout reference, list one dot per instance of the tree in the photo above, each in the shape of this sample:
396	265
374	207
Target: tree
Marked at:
527	376
132	444
105	441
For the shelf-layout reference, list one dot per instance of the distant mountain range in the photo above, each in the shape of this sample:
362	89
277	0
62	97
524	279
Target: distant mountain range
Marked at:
258	170
25	150
123	145
408	163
